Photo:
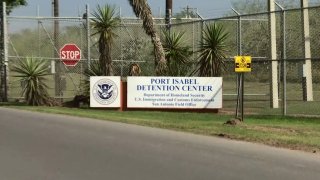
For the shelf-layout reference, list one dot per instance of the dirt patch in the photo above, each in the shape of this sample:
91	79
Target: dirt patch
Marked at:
224	135
233	122
272	129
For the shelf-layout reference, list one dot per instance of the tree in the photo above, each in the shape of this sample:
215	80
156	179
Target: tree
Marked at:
186	13
104	23
3	81
177	53
212	51
11	4
32	74
142	10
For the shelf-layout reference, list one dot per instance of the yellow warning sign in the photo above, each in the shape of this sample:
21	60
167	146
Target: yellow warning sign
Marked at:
242	63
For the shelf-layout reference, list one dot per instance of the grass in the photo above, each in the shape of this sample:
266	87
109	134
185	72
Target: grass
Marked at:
299	133
257	99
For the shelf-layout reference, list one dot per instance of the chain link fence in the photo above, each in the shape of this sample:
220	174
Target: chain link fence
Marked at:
250	34
34	37
39	40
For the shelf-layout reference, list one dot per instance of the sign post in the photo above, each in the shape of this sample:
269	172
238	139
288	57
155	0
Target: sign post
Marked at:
242	65
70	54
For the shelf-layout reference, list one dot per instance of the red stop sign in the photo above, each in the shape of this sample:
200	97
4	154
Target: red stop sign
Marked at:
70	54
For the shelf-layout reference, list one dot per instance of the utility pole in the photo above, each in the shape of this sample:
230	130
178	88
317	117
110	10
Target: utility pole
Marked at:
188	9
4	55
55	11
168	13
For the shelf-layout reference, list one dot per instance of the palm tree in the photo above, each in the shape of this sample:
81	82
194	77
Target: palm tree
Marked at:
104	23
32	74
212	51
177	53
142	10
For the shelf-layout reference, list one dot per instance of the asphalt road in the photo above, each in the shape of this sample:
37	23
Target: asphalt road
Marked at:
36	146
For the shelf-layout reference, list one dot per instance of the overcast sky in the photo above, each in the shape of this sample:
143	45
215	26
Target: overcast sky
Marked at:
208	8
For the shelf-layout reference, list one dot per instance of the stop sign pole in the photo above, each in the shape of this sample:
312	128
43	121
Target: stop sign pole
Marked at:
70	54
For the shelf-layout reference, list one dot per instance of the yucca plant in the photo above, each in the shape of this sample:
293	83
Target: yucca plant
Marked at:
104	23
212	52
94	70
32	74
177	53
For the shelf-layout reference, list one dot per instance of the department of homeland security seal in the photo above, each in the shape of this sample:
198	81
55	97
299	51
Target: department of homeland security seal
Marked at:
105	91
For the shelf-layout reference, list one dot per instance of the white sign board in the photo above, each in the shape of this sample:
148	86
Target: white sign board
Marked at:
105	91
174	92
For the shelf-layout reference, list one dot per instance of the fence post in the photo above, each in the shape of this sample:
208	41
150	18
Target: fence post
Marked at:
274	64
307	71
284	61
88	36
239	76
